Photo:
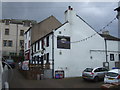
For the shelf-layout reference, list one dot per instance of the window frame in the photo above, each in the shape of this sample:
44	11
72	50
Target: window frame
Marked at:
7	31
22	43
47	58
22	33
10	43
112	57
5	45
47	41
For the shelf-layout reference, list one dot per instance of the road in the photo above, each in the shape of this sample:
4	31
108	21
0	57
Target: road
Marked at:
18	81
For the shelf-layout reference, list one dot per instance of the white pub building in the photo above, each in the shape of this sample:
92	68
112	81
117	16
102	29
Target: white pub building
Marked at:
74	46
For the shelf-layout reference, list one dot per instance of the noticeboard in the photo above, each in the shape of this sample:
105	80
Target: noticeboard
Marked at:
59	74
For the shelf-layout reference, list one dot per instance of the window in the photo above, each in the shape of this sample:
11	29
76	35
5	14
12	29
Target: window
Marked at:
38	45
10	43
97	70
63	42
104	69
35	47
7	22
29	44
47	58
119	57
111	57
21	32
25	45
47	41
4	42
7	31
21	43
42	44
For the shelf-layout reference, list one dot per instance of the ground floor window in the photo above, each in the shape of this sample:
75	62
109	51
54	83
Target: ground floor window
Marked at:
111	57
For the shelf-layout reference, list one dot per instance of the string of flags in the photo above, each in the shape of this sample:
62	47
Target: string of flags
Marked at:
92	34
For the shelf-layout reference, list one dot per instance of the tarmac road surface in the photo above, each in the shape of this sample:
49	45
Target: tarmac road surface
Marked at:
19	81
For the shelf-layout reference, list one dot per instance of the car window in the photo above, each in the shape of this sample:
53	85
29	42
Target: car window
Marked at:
104	69
88	70
111	74
97	70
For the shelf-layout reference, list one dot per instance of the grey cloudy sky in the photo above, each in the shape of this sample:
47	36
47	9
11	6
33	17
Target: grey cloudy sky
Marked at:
97	14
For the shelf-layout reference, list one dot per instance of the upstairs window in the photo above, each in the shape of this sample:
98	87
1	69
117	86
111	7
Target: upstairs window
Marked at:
21	32
21	43
111	57
7	43
38	45
63	42
7	22
42	44
47	41
35	47
10	43
4	43
6	31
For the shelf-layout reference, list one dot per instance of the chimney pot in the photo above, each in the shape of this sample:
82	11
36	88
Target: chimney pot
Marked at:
69	7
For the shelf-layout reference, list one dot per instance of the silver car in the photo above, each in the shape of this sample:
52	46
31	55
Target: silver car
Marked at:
113	76
94	73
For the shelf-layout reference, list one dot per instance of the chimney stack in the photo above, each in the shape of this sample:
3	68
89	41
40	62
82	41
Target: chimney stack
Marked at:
70	15
69	8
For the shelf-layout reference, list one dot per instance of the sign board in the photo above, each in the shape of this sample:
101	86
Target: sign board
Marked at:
59	74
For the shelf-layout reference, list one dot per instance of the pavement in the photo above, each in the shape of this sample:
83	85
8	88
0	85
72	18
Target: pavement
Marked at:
19	81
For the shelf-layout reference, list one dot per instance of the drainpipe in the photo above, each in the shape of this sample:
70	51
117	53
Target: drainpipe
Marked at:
106	62
106	50
53	55
16	39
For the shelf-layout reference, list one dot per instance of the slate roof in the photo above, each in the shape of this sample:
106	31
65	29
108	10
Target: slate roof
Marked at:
43	28
109	37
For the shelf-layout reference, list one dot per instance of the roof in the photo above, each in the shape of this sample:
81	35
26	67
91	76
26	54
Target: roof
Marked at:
43	28
109	37
18	21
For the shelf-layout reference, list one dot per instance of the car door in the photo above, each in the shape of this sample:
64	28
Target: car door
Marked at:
99	72
104	70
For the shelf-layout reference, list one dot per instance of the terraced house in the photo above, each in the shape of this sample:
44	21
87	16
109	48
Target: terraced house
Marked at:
12	35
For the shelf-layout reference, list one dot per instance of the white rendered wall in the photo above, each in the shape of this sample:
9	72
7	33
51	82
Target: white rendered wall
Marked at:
73	61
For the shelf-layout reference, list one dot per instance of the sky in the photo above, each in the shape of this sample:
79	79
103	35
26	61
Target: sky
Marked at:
97	14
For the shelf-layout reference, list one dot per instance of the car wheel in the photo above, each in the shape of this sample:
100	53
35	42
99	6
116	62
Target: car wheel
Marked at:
96	79
84	79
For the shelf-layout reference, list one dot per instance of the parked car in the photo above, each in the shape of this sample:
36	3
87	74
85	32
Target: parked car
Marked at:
11	62
94	73
112	76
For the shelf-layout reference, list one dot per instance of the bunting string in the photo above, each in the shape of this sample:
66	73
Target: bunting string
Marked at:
85	39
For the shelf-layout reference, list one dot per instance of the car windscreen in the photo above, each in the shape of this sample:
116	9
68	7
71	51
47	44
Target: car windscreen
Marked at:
112	74
88	70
